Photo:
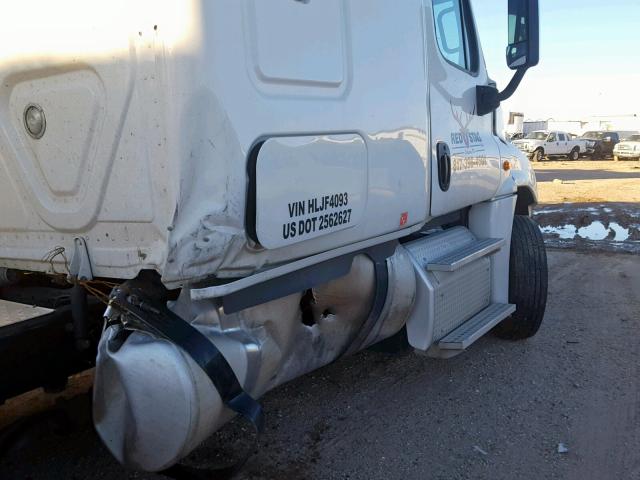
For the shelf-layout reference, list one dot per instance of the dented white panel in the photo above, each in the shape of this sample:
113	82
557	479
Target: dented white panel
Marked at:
153	108
85	64
383	98
307	187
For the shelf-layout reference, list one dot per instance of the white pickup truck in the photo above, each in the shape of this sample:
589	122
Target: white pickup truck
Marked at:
543	143
253	190
628	148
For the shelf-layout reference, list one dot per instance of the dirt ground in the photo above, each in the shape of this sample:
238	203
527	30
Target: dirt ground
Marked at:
589	205
587	181
498	411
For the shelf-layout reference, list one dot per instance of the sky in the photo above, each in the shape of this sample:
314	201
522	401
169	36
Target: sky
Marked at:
589	58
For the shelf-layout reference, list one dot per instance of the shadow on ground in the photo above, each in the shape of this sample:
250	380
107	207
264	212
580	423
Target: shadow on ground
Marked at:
572	175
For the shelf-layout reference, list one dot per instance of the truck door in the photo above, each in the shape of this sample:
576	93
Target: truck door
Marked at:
563	143
465	166
552	146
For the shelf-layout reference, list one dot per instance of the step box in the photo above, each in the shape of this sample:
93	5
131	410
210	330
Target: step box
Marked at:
471	252
470	331
453	273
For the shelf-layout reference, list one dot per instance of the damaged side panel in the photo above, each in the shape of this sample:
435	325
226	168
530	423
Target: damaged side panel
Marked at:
153	404
257	95
100	169
150	128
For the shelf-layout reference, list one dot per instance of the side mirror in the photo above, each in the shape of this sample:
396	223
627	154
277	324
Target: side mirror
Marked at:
523	52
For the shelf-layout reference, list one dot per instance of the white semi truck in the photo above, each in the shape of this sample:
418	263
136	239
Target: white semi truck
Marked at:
219	196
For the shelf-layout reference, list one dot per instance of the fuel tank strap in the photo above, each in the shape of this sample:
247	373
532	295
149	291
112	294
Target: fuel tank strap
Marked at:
379	300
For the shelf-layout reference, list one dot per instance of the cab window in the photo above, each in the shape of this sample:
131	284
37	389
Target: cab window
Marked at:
552	137
455	33
561	137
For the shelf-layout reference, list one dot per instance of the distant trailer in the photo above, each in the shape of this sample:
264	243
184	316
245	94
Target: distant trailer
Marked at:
528	127
572	126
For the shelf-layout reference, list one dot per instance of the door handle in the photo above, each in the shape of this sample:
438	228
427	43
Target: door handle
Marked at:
443	154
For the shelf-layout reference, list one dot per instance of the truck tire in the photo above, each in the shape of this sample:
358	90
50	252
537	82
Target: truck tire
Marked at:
538	155
574	154
528	280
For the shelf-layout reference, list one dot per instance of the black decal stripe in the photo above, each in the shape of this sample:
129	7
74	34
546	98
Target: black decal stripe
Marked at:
302	279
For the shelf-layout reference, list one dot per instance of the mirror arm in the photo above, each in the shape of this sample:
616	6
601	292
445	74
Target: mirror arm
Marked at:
488	97
513	85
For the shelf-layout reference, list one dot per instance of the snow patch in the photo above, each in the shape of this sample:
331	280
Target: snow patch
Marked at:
565	232
595	231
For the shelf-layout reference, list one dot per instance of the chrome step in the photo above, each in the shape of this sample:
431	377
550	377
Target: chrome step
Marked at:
470	252
476	327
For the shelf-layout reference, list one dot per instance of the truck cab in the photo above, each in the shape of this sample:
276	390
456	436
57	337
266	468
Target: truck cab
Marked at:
210	198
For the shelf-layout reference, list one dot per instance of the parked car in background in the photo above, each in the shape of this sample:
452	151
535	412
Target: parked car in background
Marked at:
602	143
555	143
516	136
629	148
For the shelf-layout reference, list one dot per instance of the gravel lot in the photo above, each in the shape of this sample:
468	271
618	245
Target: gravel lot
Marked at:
590	206
588	181
498	411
